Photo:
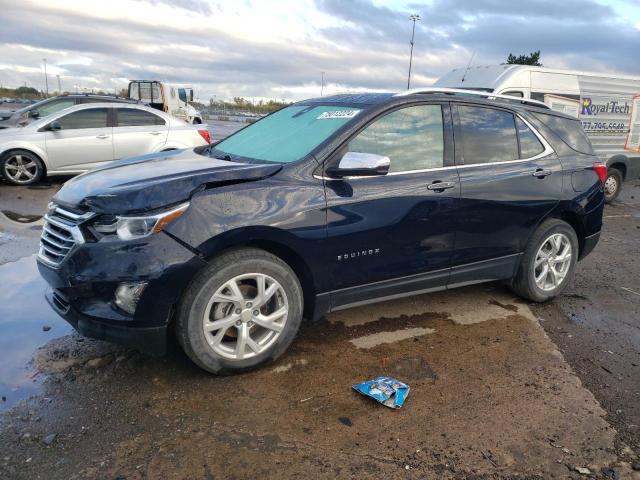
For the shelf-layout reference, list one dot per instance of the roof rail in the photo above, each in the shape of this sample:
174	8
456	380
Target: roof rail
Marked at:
460	91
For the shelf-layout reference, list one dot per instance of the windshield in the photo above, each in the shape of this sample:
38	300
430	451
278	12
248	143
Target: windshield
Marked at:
288	134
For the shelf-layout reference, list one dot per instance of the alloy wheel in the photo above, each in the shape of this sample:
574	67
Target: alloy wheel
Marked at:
553	261
245	316
611	185
20	169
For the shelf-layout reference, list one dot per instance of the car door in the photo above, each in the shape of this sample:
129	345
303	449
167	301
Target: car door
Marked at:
510	179
83	141
137	131
393	234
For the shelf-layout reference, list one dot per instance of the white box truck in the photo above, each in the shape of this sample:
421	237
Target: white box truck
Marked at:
608	106
171	99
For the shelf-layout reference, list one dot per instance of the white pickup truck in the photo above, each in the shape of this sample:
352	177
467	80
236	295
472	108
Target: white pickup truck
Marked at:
171	99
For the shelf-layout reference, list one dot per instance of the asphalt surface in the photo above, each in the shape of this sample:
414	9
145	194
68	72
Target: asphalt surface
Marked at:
500	388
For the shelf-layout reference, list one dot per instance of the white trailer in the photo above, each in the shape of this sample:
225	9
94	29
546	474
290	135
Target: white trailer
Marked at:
608	106
171	99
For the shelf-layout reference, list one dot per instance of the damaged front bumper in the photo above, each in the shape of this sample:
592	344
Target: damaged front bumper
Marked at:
84	284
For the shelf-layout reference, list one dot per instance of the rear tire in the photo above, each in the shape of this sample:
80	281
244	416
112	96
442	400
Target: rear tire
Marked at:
241	312
21	167
612	185
548	262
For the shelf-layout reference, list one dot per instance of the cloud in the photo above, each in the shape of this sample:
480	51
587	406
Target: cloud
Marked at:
277	49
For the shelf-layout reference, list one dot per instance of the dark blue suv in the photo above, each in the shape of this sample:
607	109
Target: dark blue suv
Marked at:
326	204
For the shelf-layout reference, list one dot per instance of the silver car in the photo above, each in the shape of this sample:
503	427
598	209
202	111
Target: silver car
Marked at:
83	137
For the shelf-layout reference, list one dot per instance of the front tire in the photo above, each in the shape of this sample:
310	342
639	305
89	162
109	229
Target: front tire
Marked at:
241	312
612	185
21	167
548	262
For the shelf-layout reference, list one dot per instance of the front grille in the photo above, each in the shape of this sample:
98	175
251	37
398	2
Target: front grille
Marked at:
60	234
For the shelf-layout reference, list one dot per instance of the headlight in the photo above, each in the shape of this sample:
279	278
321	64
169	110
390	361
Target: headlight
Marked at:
130	228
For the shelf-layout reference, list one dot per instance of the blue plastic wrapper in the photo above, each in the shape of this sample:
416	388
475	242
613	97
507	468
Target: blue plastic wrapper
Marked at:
386	390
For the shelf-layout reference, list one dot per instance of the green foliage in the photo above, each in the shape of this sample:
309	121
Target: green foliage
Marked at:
532	59
27	91
21	92
245	105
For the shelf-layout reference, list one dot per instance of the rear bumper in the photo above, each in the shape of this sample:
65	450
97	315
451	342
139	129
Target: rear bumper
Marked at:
150	340
589	244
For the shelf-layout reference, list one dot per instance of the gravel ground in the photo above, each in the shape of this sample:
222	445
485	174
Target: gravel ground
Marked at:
596	322
499	388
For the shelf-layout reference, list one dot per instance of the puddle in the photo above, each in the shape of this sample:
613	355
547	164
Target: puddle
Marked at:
21	217
23	314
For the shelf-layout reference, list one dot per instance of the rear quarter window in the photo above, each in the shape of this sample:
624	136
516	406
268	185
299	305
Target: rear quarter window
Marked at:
569	130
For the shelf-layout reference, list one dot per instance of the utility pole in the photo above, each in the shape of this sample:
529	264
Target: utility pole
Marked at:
322	85
46	79
59	85
413	18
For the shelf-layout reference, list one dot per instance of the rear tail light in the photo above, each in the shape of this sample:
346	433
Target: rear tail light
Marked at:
205	134
601	171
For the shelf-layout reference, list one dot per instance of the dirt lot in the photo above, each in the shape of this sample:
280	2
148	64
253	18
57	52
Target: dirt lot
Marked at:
499	388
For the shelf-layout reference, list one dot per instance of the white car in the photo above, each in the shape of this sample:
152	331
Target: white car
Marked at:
87	136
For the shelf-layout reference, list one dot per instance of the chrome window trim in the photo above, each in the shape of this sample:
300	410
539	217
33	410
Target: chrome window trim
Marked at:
548	150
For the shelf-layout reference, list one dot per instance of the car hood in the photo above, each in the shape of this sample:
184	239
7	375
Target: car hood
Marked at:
154	181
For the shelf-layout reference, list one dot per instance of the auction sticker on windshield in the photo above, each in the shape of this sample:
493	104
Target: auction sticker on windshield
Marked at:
338	114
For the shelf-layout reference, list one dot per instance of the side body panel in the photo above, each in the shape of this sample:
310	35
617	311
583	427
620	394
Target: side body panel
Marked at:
79	149
500	206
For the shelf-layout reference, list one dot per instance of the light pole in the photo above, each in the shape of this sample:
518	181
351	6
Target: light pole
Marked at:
322	85
46	79
413	18
59	85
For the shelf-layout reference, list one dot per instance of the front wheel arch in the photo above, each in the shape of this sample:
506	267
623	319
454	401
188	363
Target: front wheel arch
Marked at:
288	255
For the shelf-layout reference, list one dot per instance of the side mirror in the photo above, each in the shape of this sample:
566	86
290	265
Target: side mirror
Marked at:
34	113
357	164
54	126
191	95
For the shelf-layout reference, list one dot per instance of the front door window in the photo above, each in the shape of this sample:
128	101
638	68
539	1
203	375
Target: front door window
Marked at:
411	137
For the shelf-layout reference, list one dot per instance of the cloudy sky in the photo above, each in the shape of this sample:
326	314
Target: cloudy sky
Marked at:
278	48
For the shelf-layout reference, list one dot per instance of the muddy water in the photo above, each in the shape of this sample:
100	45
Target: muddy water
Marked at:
24	317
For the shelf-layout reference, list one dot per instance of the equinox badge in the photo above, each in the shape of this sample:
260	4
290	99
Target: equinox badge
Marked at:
359	253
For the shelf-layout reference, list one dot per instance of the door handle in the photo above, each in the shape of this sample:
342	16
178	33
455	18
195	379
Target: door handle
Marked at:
440	186
102	137
541	173
155	133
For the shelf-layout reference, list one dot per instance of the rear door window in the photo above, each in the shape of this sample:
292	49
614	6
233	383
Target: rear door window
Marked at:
530	146
88	118
569	130
133	117
488	135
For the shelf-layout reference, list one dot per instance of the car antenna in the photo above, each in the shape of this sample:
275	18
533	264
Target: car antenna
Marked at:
468	66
